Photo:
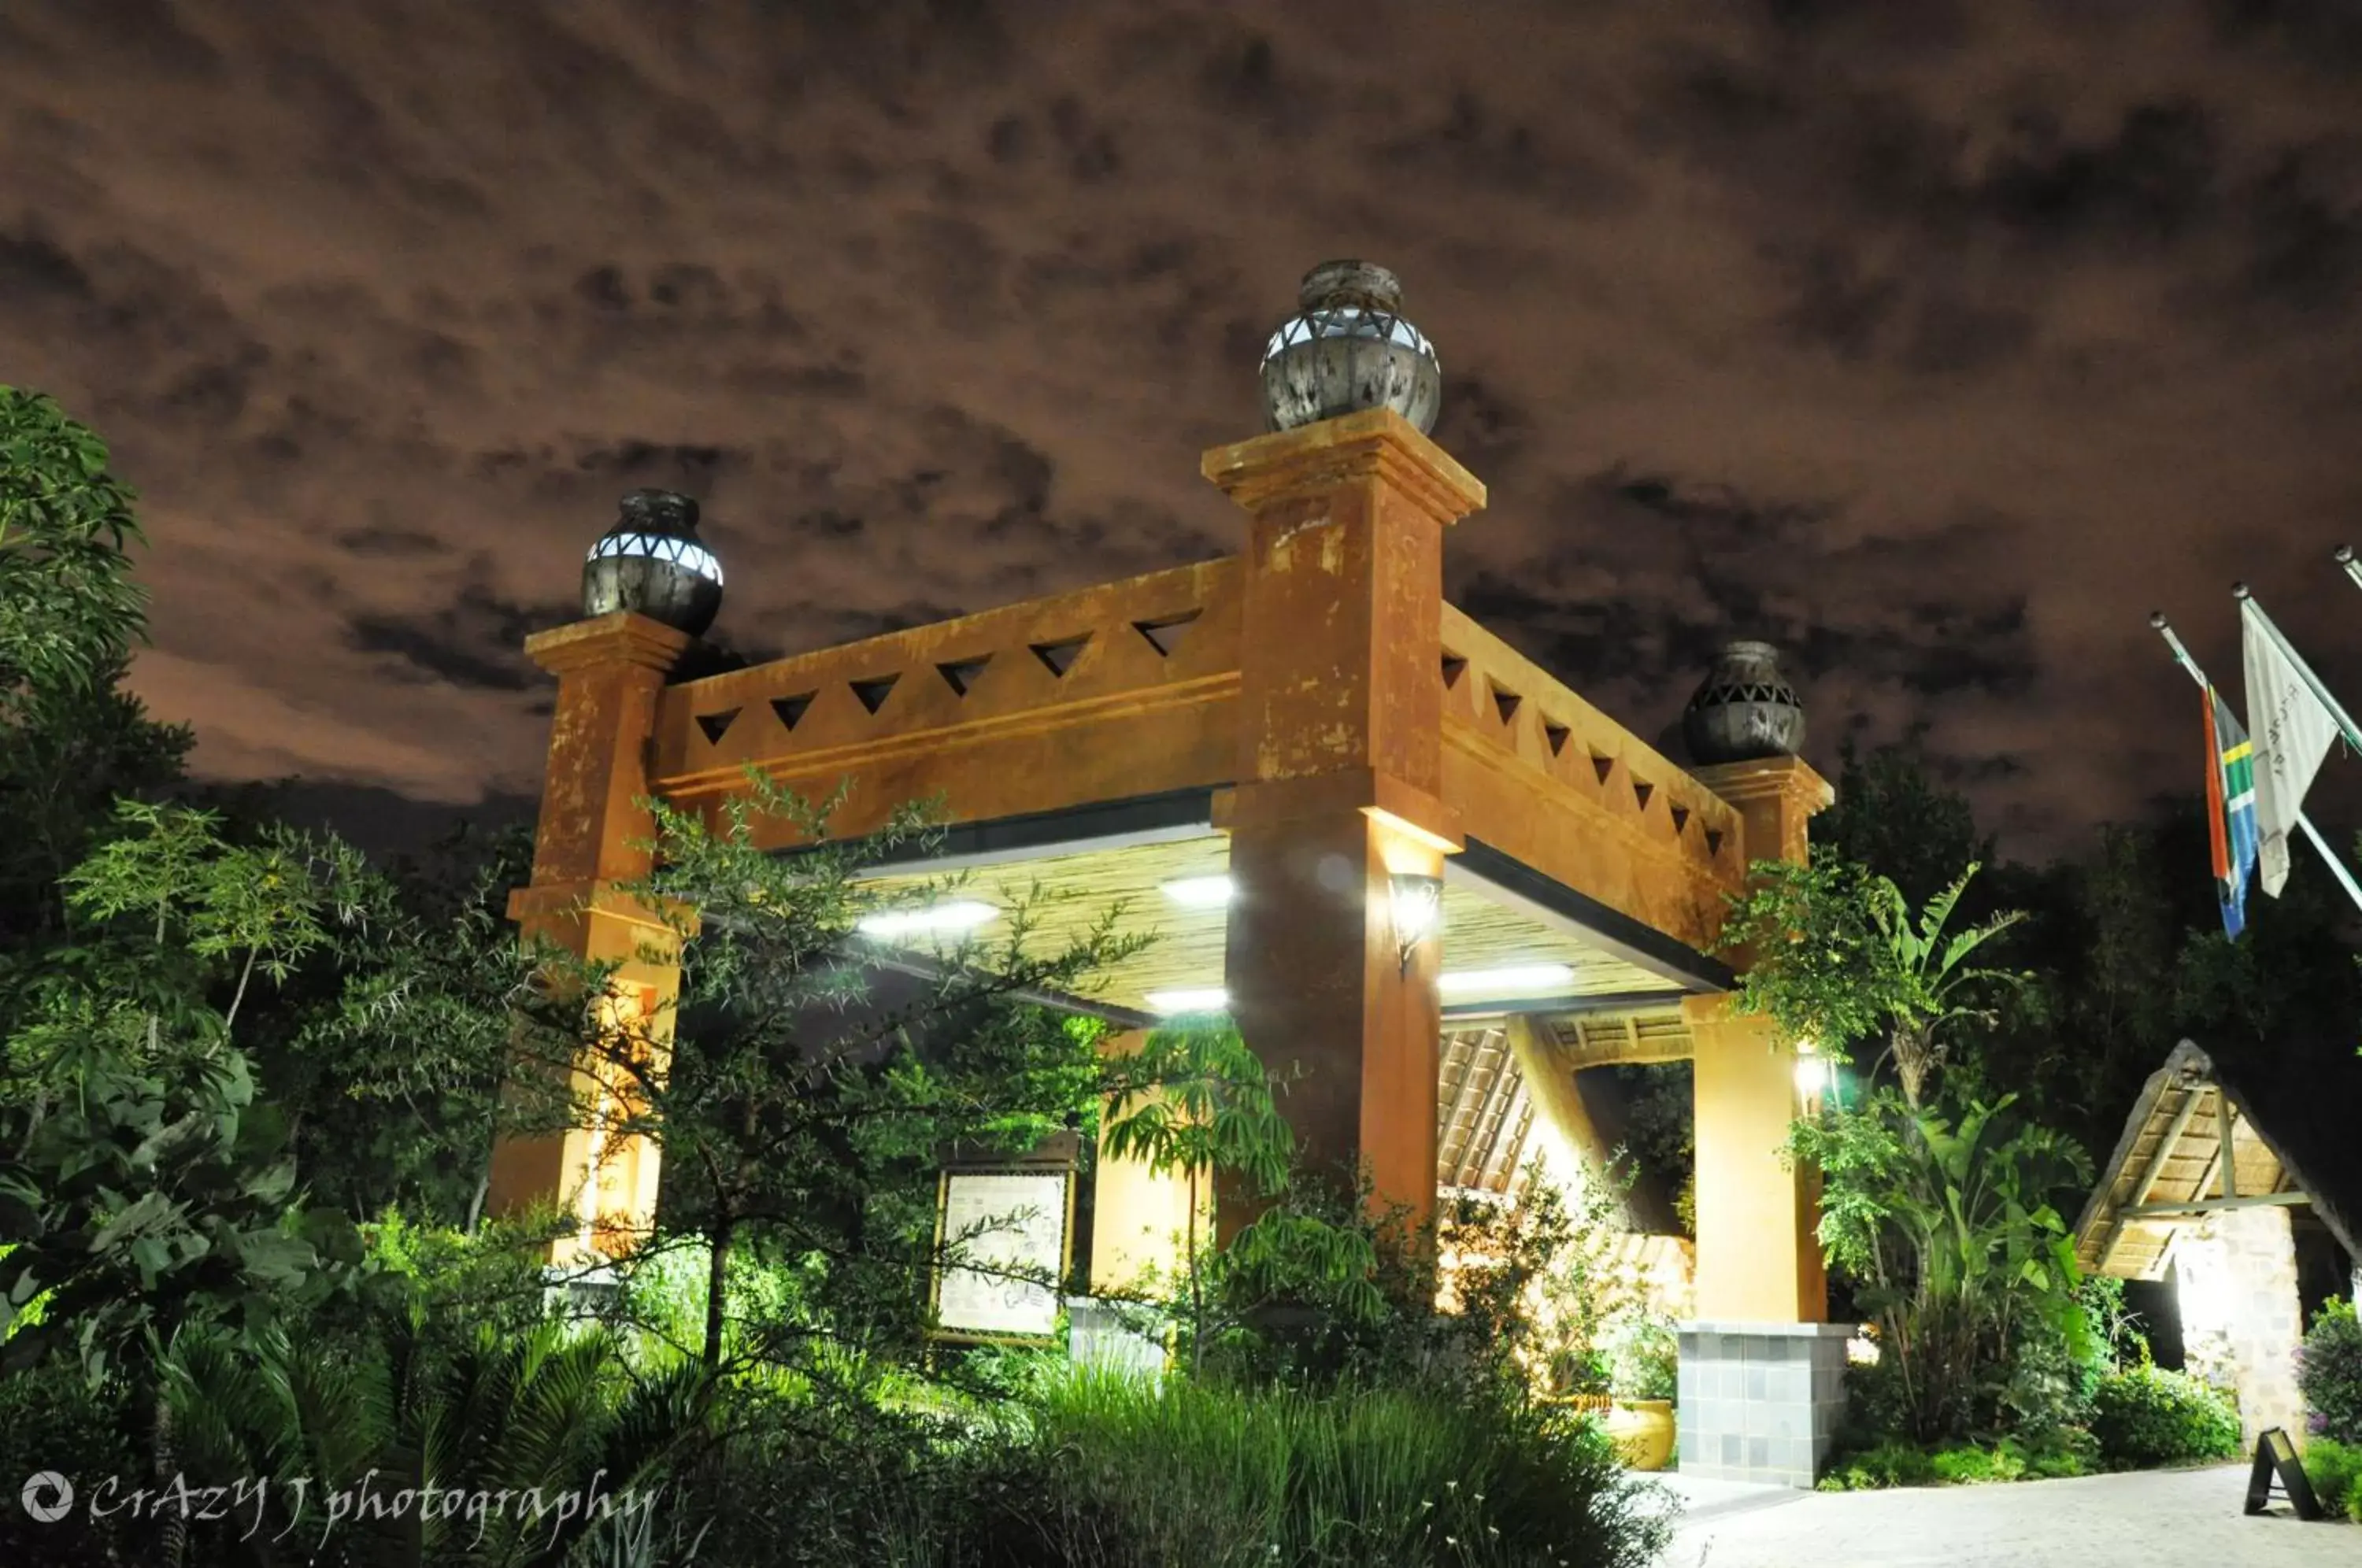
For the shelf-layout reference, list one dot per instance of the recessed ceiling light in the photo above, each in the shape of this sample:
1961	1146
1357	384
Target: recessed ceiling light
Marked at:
1515	979
965	914
1211	999
1201	893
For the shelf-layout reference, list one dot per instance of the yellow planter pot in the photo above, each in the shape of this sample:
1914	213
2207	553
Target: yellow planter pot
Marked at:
1642	1431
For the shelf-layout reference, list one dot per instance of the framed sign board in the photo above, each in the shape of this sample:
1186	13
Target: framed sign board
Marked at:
2276	1459
1012	1230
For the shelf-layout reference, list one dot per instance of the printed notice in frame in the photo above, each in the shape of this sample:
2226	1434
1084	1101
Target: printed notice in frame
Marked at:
1002	1224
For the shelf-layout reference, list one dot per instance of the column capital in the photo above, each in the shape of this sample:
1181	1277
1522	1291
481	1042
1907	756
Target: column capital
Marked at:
548	901
622	640
1791	781
1775	797
1312	460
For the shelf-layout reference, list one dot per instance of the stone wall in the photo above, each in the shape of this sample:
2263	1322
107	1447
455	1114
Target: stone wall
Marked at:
2235	1274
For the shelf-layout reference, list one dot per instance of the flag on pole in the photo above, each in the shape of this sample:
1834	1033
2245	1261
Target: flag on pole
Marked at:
2230	811
2293	734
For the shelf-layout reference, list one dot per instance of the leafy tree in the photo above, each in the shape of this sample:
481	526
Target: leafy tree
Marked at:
1891	817
71	615
817	1076
1836	958
1197	1101
388	1045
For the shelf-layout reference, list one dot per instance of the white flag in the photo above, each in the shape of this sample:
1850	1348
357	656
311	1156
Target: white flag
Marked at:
2291	732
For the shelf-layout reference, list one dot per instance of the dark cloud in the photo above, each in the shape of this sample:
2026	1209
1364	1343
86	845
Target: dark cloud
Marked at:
1937	342
474	640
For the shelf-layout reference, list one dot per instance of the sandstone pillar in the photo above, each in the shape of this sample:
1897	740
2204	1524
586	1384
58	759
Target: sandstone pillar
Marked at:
593	837
1759	1259
1141	1217
1763	1374
1338	779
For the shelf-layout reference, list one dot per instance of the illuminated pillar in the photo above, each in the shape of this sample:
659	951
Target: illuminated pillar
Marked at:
1338	777
592	837
1140	1218
1762	1370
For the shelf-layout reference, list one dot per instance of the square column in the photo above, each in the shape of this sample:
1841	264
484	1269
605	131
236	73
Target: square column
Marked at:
593	836
1762	1376
1339	776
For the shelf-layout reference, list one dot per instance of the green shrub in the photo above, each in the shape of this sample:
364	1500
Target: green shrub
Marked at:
1896	1464
1125	1474
50	1418
1645	1359
2335	1471
2146	1415
2329	1372
1888	1464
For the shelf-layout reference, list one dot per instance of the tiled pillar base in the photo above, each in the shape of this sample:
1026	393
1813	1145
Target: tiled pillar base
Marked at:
1099	1334
1759	1401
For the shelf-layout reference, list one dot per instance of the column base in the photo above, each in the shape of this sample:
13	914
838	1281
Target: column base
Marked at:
1760	1402
1101	1335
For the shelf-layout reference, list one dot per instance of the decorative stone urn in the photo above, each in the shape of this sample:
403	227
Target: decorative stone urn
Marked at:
651	562
1744	710
1349	348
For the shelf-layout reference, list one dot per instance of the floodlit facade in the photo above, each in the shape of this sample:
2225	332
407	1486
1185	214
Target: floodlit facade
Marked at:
1405	858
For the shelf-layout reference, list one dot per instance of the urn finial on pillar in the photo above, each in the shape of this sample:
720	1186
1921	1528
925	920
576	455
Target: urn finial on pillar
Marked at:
1347	348
1745	710
652	562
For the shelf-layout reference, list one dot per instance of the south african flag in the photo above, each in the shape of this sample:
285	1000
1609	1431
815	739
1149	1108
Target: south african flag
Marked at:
2230	811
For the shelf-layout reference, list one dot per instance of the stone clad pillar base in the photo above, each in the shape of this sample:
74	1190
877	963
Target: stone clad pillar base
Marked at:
1760	1402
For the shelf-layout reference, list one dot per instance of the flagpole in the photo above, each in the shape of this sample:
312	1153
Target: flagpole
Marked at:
2181	657
2330	705
2345	558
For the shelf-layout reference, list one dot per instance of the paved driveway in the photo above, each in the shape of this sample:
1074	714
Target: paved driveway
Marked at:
2150	1519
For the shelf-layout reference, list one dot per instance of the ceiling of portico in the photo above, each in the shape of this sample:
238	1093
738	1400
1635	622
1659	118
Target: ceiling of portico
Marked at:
1065	896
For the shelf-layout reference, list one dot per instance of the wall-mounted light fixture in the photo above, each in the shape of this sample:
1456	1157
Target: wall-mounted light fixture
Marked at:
1416	903
1812	1071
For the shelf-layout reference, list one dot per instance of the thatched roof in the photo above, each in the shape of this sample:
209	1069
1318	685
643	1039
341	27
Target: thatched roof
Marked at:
2290	1134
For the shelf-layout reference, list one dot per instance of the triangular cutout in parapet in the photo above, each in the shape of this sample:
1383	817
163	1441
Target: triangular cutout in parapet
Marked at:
1556	735
1506	702
1641	793
1681	815
716	725
961	673
791	708
1453	665
1060	656
1602	765
1164	632
873	693
1713	842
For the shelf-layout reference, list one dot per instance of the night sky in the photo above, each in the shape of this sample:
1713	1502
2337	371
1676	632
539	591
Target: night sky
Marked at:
1938	343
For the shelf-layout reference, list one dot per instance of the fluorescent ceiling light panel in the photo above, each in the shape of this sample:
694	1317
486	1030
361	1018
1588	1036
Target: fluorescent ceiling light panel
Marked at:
1201	893
965	914
1516	979
1212	1000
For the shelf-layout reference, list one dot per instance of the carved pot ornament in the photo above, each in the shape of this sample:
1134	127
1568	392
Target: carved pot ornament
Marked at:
1347	348
651	562
1744	710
